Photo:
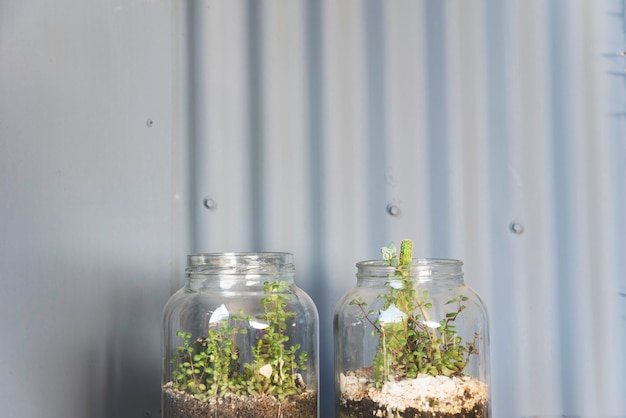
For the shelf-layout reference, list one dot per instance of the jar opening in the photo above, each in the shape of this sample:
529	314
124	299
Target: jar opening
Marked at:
268	263
421	268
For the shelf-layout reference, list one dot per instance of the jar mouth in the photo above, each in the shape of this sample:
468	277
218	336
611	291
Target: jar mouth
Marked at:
421	268
240	263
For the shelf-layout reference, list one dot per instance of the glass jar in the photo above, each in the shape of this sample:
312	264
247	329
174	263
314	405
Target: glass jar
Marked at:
240	339
411	342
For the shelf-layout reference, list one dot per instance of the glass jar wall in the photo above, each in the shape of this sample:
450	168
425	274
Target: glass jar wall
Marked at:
240	339
411	341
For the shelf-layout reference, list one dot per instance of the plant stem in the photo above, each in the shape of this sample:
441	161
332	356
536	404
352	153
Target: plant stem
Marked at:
406	258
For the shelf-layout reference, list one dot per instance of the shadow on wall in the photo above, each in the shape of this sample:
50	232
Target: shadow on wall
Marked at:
122	368
317	289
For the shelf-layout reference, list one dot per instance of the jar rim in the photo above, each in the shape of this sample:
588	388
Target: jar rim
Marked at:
237	263
422	268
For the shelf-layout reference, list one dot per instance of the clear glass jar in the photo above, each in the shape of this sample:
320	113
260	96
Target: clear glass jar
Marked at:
411	342
240	339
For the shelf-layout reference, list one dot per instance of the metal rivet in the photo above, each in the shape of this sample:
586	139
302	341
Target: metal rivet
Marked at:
516	228
149	122
209	203
393	210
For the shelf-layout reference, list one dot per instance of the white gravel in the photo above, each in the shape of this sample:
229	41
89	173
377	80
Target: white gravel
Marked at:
425	393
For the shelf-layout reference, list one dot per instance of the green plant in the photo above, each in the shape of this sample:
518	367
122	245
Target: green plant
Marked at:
410	343
211	366
275	368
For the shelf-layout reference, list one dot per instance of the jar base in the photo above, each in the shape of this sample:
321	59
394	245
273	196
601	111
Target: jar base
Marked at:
366	408
182	405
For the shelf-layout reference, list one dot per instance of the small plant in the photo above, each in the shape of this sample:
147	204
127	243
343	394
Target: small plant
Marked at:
410	343
275	369
211	366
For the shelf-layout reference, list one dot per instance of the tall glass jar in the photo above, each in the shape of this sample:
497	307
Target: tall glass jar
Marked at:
411	341
240	339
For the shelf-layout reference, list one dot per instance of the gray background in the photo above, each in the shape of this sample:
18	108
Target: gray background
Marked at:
303	122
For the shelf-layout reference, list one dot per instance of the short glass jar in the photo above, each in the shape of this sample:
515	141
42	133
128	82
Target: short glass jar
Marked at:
240	339
411	341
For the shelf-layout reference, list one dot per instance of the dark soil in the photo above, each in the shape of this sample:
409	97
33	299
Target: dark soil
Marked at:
180	405
366	408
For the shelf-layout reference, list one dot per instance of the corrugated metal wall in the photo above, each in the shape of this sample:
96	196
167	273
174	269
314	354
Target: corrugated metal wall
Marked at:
485	130
133	132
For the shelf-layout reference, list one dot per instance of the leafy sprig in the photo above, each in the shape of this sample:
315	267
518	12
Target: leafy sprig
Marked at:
276	367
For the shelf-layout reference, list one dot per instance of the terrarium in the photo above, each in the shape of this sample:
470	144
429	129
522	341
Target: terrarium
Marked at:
240	339
411	340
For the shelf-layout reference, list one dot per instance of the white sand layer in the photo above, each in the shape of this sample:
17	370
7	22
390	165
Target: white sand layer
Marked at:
425	393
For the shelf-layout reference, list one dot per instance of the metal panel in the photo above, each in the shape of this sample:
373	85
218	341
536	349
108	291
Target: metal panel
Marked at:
86	179
488	128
